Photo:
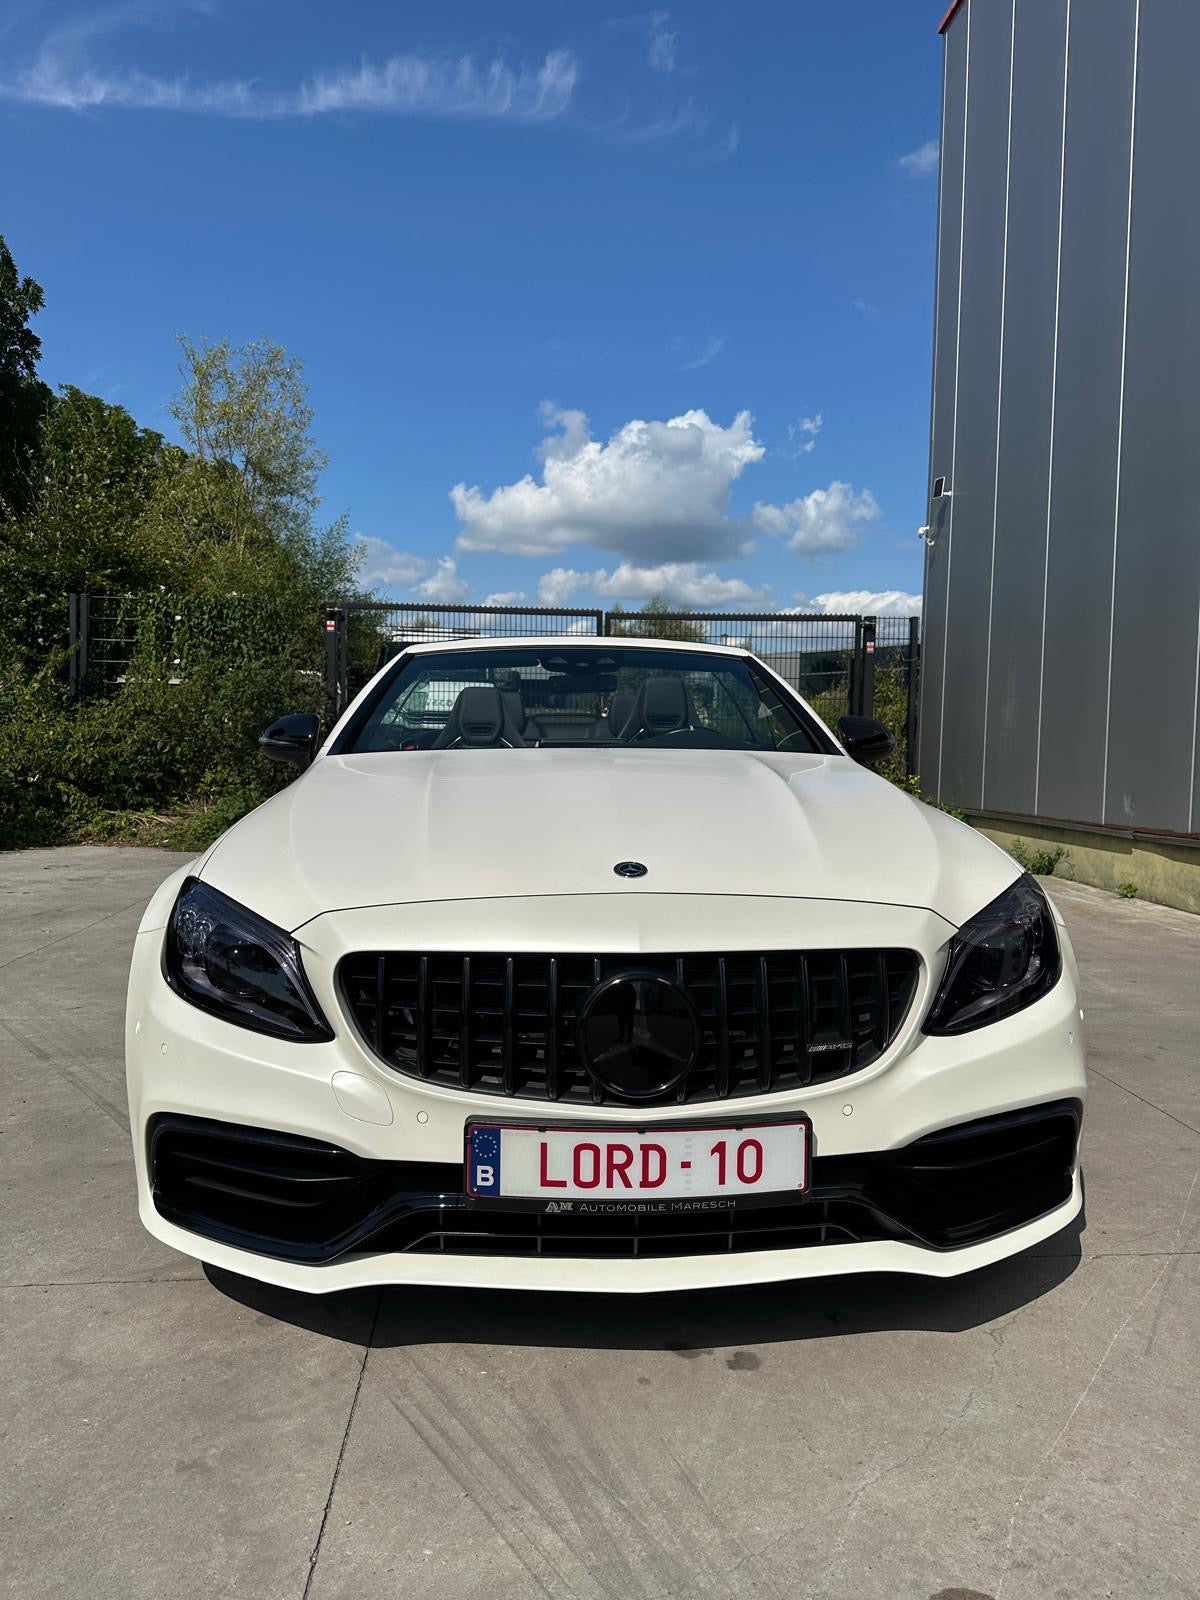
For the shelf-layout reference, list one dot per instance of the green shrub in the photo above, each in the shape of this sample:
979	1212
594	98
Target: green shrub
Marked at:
1127	891
891	708
1040	862
171	762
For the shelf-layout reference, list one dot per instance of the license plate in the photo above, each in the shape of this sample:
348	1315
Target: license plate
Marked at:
590	1168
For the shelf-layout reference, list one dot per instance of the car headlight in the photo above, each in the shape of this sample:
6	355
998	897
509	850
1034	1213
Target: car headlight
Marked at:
1001	961
232	962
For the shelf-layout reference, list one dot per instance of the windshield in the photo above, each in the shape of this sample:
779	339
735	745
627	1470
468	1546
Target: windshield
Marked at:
579	696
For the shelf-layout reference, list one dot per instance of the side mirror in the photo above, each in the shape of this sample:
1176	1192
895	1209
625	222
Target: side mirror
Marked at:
294	738
865	739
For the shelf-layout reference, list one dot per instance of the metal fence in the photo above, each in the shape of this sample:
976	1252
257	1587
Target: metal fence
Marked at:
864	666
896	684
111	636
103	637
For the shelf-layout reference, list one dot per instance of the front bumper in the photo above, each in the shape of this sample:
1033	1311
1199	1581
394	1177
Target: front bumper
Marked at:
900	1184
308	1202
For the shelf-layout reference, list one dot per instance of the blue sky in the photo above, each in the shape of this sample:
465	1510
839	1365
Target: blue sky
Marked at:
594	302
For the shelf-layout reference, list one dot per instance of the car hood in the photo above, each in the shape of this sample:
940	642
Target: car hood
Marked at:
390	828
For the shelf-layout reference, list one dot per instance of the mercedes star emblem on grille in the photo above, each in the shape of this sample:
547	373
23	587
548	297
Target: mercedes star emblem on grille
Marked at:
630	869
639	1034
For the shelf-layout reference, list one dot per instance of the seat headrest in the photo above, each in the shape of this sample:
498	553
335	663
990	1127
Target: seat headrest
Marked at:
662	705
514	708
480	715
620	709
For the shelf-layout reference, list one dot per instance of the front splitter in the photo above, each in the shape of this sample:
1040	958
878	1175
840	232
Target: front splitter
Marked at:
660	1275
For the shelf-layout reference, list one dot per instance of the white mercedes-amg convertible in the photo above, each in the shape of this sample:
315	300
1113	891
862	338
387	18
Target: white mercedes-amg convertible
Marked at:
599	965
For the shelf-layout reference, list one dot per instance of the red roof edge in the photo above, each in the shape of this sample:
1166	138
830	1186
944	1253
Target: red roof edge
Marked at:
946	20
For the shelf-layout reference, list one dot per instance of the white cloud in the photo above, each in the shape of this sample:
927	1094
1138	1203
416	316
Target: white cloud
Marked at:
662	42
383	563
445	587
693	360
864	602
802	435
687	121
826	519
504	597
684	583
402	85
920	162
655	490
560	585
413	85
661	53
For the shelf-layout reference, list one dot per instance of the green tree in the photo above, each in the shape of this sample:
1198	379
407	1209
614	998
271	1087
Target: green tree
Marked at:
23	396
658	619
244	414
238	514
98	471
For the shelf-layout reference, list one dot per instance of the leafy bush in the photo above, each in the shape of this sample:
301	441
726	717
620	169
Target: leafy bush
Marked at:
891	708
1127	891
1040	862
176	762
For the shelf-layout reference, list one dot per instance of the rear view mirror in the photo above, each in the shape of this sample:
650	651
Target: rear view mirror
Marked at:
865	739
293	738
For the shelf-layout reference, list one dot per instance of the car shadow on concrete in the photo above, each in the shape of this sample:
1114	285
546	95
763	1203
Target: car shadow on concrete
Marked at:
692	1322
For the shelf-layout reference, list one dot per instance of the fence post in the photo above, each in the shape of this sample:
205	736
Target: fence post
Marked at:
866	683
910	732
78	630
335	661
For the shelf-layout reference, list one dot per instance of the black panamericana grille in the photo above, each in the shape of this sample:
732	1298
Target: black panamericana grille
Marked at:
505	1024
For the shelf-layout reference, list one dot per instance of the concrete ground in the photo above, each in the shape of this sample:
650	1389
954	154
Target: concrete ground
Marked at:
1028	1432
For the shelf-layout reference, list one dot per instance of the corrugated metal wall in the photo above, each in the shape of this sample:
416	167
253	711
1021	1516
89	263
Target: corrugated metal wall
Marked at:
1062	583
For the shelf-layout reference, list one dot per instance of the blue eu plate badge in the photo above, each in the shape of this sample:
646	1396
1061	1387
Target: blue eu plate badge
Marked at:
484	1158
